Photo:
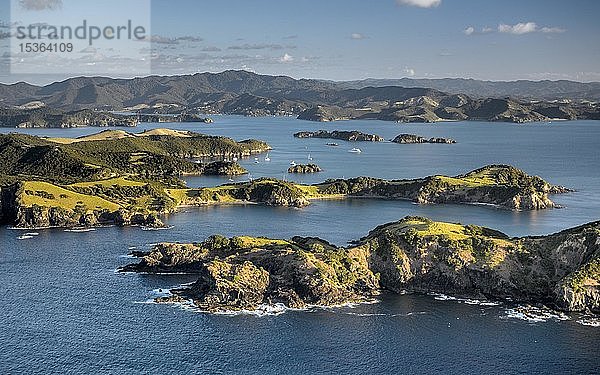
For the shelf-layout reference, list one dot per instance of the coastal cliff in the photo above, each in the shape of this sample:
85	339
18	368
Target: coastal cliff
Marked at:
414	254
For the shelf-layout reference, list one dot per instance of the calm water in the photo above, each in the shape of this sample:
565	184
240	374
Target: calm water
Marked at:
64	308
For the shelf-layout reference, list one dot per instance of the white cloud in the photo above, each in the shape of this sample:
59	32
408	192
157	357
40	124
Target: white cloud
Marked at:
286	58
552	30
420	3
527	27
409	72
357	36
519	28
469	30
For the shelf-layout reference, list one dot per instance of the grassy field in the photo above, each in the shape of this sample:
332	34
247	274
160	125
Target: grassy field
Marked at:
48	195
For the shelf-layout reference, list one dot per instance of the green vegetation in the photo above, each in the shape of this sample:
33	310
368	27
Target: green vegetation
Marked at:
43	194
413	254
44	117
500	185
115	171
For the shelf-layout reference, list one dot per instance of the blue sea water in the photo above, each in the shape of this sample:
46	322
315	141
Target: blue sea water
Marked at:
66	310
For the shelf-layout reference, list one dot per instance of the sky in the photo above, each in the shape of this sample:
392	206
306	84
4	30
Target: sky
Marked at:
325	39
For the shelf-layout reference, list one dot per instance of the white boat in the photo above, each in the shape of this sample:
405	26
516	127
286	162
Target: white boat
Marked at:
235	159
256	161
24	237
355	150
267	158
310	157
293	163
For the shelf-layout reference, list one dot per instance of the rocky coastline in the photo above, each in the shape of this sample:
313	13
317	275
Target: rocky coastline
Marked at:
413	254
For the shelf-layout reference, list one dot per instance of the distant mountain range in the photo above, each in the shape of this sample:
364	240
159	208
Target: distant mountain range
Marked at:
522	89
246	93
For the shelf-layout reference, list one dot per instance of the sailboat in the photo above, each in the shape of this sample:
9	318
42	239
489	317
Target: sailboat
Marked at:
310	157
267	158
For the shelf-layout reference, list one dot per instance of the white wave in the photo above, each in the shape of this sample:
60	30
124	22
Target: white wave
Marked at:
158	228
261	310
350	305
80	230
160	292
127	256
592	321
534	314
387	314
468	301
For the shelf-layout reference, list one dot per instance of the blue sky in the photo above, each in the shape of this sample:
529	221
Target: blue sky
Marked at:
355	39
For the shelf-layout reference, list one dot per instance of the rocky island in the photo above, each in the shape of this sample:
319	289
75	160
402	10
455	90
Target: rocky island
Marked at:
353	136
304	168
414	254
412	138
500	185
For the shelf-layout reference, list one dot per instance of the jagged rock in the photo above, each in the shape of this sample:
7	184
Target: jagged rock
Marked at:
230	286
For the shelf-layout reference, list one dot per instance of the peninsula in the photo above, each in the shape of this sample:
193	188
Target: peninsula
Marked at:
414	254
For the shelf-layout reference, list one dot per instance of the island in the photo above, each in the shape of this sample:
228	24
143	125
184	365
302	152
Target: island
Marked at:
304	168
353	135
116	177
414	255
500	185
113	177
412	138
38	115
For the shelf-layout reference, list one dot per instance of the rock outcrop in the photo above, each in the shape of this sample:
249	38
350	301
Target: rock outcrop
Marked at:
414	254
304	168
